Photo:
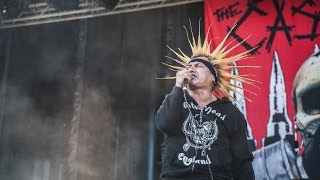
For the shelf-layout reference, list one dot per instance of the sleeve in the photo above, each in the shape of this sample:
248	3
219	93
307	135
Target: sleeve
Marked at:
169	113
242	156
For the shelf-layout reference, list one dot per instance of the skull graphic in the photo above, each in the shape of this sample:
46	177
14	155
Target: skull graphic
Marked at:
200	132
306	94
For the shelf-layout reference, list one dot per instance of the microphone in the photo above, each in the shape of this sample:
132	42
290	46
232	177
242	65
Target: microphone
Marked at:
185	84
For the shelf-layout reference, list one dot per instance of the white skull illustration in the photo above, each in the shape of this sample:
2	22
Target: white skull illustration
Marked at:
306	94
200	132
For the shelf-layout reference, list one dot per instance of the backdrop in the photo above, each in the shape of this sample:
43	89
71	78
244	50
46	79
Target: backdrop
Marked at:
285	34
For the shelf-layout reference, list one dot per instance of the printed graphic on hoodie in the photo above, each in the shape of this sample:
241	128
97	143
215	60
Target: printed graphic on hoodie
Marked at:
200	132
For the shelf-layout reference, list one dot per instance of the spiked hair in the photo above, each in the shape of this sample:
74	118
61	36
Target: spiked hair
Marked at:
218	58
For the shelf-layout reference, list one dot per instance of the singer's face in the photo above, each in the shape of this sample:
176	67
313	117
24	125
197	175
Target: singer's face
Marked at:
201	76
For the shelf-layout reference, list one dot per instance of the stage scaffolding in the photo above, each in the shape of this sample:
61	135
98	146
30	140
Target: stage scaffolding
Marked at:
43	12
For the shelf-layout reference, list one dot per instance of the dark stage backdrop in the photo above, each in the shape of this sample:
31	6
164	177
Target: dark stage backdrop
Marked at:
78	99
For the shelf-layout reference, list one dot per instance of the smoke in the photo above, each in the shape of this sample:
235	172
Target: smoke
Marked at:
56	130
39	107
96	136
37	138
31	136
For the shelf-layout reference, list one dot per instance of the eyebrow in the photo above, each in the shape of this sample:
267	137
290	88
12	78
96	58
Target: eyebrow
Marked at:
195	63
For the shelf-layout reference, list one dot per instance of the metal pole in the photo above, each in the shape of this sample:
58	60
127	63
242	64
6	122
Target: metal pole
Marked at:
3	93
152	133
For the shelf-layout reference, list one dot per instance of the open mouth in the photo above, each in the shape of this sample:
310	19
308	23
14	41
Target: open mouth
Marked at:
193	76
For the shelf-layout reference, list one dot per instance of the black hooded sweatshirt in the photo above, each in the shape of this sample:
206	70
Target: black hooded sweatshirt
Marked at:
203	143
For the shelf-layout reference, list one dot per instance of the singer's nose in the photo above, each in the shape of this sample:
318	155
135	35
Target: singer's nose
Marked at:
190	70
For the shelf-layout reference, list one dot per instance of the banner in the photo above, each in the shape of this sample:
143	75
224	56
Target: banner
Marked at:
285	34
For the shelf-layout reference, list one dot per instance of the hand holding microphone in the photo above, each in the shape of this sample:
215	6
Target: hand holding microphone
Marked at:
183	77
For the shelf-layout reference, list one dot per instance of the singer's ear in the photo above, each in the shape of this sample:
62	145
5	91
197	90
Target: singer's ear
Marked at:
212	78
213	86
214	81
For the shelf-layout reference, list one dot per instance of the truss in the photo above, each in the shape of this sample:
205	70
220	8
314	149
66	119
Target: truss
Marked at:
42	12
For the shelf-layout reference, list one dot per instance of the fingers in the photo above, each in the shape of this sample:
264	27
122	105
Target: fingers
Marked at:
184	74
181	76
